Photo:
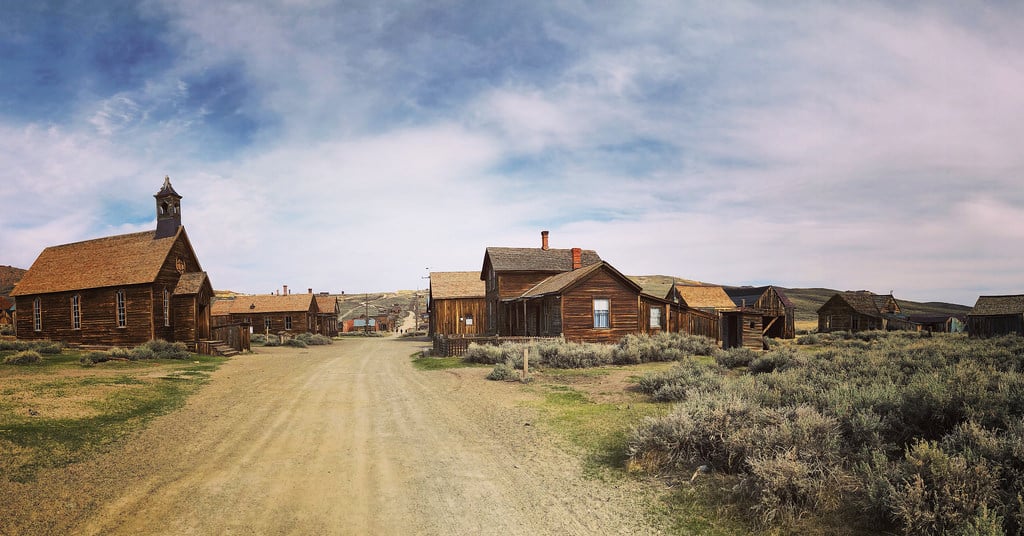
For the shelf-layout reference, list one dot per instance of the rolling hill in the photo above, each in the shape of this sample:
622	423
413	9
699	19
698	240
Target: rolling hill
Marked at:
9	276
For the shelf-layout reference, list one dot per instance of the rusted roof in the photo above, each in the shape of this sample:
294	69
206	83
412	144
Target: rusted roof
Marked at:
327	304
998	305
129	259
537	259
704	297
190	283
450	285
268	303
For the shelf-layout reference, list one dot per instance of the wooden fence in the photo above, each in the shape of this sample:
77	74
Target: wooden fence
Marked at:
456	345
235	335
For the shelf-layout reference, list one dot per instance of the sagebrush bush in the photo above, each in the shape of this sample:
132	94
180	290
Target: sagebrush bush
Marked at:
24	357
14	345
257	338
673	384
503	372
92	358
161	349
272	340
50	348
295	343
314	339
735	357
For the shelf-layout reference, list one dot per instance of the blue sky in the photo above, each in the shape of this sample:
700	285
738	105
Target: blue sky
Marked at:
349	146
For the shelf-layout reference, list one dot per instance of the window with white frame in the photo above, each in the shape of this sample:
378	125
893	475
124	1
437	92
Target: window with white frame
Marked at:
655	317
167	308
601	307
122	312
37	315
469	319
76	311
287	322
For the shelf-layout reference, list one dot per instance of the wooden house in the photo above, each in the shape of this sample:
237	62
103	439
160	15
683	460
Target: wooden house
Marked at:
595	303
859	311
743	327
996	315
270	313
509	272
120	290
703	297
328	312
457	304
777	311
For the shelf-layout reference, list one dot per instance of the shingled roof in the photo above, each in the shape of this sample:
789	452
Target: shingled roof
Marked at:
264	303
998	305
749	295
863	302
190	283
128	259
704	297
451	285
536	259
327	304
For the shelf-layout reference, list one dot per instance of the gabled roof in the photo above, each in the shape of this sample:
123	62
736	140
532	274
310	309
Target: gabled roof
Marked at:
191	283
266	303
129	259
750	295
861	301
536	259
221	306
564	281
998	305
327	304
450	285
704	297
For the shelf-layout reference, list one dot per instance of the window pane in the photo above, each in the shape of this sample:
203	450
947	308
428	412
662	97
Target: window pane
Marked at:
600	313
655	317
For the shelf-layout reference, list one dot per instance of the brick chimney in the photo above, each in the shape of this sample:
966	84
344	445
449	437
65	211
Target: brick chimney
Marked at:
544	240
577	258
284	290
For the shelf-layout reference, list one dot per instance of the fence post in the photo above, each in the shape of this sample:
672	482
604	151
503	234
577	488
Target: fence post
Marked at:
526	362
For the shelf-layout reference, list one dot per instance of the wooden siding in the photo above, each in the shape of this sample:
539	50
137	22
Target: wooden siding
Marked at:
98	308
837	315
977	325
302	321
578	310
780	318
646	304
447	316
742	329
694	322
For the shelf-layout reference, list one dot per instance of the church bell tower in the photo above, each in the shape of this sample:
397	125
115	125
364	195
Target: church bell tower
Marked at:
168	210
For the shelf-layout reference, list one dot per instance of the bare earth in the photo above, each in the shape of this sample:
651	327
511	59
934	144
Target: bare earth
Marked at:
342	439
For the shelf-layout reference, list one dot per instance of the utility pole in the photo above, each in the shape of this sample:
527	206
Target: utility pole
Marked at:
366	314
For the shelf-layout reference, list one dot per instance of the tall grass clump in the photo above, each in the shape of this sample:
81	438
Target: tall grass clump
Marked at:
503	372
24	357
314	339
917	434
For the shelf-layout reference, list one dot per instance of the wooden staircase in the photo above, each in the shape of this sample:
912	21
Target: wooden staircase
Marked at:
220	348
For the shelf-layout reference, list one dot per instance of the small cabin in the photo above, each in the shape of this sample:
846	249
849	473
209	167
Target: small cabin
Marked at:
778	314
993	316
457	304
270	313
860	311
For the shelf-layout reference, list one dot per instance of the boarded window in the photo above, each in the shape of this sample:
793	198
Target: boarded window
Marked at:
601	307
76	312
655	317
122	313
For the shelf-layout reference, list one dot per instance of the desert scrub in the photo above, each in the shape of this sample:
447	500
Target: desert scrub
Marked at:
503	372
922	434
735	357
314	339
661	347
25	357
295	343
673	384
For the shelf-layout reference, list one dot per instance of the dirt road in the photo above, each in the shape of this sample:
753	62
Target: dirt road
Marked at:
343	439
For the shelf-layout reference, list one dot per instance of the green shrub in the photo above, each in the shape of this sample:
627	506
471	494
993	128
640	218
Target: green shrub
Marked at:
24	357
295	343
258	338
772	360
14	345
92	358
272	340
51	348
673	384
314	339
141	353
168	350
503	372
735	357
785	487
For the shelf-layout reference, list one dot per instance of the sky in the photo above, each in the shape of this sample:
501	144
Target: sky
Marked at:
357	146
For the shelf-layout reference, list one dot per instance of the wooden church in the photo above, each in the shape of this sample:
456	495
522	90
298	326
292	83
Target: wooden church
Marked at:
120	290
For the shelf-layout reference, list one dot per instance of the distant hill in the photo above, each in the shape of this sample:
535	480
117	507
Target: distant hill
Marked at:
806	300
9	276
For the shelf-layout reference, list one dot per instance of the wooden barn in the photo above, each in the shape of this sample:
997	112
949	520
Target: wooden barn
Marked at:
510	272
778	314
860	311
120	290
457	304
270	313
595	303
328	312
993	316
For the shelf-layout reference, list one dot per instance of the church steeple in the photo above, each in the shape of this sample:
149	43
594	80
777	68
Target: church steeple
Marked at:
168	210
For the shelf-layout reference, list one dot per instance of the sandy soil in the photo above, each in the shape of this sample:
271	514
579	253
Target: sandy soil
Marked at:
344	439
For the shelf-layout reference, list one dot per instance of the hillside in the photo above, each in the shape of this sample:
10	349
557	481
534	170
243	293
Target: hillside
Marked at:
9	276
806	300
